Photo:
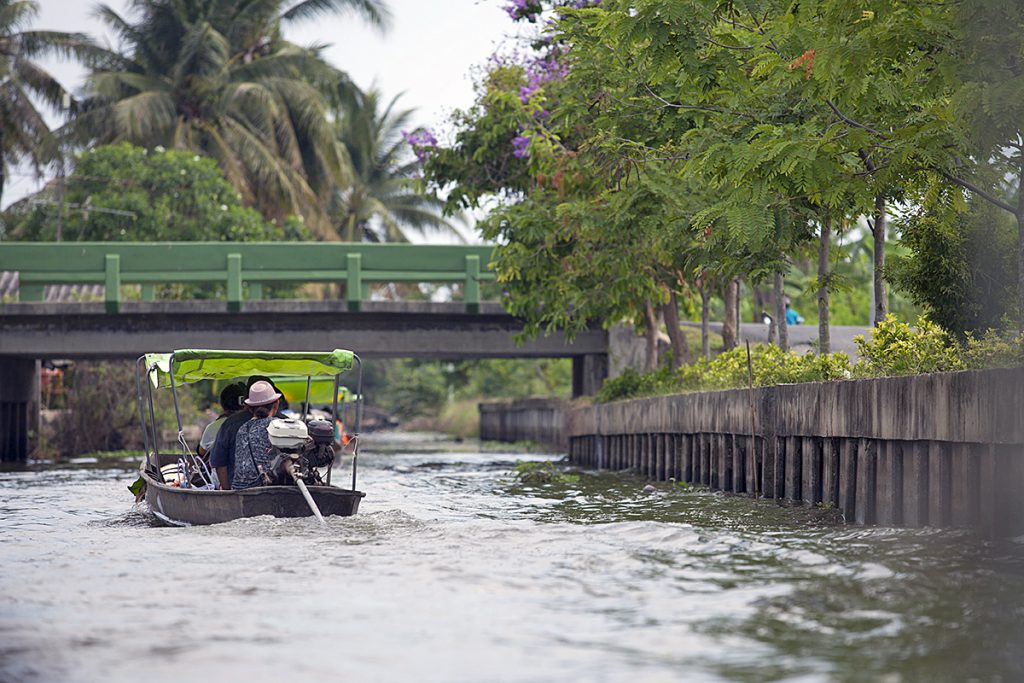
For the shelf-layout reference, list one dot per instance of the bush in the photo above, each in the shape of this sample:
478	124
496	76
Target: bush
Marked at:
770	365
632	383
102	411
896	348
994	350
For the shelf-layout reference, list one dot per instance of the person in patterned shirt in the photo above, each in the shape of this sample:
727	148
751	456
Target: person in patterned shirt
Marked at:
253	451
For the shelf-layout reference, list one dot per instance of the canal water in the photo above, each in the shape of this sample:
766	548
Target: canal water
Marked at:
455	571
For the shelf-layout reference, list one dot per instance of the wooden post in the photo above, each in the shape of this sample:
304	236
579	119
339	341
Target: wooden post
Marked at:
472	287
234	283
112	282
354	281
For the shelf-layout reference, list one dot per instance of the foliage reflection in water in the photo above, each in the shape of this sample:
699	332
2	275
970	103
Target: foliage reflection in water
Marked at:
460	569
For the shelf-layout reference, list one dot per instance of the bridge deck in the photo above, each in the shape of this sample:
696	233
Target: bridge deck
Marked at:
380	329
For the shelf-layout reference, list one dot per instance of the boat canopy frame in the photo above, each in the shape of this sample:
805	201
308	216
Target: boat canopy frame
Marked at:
185	366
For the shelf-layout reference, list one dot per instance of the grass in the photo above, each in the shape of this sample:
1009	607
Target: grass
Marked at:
460	419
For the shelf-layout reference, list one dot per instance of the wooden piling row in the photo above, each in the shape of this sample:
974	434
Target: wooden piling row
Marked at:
889	483
942	450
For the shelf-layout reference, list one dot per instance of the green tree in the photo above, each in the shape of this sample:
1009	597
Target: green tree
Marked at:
216	77
382	199
122	192
961	268
24	133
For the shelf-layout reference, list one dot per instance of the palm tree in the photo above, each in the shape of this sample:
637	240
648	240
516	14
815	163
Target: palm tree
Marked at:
217	78
381	202
24	134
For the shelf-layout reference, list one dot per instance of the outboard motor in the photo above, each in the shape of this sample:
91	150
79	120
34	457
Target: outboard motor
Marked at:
287	434
300	450
321	454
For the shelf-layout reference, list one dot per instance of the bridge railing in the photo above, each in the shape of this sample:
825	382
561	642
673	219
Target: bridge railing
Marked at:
235	264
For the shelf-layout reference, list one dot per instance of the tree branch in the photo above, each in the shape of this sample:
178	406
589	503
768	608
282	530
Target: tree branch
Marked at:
855	124
974	189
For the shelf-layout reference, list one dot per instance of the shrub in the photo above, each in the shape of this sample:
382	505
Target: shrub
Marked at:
896	348
770	364
994	349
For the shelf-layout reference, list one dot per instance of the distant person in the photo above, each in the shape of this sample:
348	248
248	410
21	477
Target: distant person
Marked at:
792	317
252	443
222	455
231	398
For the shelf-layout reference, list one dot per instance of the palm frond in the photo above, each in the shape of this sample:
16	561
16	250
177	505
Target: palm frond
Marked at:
375	12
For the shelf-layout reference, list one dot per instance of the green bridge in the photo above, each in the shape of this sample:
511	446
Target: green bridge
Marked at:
33	330
243	268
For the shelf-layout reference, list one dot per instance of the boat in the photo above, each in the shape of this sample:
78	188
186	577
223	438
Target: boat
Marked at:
179	487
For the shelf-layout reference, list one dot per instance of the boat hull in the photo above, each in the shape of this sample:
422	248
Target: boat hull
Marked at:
187	507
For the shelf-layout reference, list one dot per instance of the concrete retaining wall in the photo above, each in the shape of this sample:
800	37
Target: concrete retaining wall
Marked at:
937	450
534	419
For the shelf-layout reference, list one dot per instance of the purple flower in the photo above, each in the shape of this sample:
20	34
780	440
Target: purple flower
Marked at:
422	142
520	143
526	92
524	9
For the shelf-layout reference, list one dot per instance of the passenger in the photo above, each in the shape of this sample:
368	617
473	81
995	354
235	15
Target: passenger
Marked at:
230	402
222	455
252	443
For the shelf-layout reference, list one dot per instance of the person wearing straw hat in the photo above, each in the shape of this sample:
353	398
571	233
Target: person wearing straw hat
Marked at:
222	455
253	451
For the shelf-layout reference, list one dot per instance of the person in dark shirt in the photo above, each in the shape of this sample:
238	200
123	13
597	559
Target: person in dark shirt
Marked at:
231	402
252	442
222	454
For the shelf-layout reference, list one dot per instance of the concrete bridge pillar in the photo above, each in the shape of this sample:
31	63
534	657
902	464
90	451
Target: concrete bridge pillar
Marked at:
19	406
588	373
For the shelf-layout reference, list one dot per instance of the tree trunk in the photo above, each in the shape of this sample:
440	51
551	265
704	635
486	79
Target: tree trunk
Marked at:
1020	265
760	303
705	334
780	311
824	337
680	347
729	324
739	318
878	233
3	175
651	322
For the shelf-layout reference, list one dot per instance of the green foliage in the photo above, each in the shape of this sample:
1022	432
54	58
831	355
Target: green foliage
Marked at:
25	84
382	198
896	348
634	383
102	414
994	349
961	266
217	77
415	388
460	419
122	192
770	365
411	388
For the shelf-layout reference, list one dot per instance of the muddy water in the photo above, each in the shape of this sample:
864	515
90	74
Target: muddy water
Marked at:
453	572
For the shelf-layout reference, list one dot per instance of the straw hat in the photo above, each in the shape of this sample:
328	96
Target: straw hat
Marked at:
261	393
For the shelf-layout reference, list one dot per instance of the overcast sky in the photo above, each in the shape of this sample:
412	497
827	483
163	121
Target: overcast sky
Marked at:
428	54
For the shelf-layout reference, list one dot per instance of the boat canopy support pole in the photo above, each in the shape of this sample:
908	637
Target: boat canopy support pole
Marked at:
142	410
305	406
359	417
152	415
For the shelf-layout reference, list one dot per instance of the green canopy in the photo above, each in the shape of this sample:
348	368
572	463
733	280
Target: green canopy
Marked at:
320	390
192	365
